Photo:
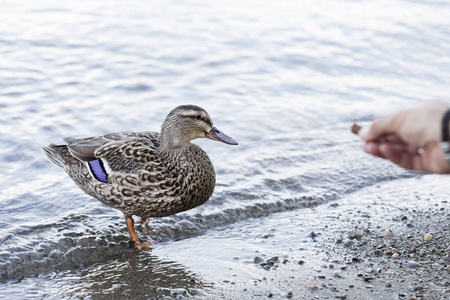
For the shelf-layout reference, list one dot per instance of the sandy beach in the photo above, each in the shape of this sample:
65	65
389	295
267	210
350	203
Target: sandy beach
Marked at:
384	242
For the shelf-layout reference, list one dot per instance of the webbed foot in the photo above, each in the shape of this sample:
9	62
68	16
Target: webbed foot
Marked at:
142	246
134	238
144	225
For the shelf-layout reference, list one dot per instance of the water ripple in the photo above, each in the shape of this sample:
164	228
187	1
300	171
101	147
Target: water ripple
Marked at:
286	79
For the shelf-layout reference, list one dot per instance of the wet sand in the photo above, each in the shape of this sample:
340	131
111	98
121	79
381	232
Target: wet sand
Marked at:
368	245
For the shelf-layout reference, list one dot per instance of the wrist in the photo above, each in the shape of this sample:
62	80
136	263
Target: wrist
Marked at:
445	136
445	126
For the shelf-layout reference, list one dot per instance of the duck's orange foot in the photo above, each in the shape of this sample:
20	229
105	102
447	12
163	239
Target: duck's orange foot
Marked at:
134	240
142	246
144	225
148	230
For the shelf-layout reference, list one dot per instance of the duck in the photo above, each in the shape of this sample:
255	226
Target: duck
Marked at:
145	174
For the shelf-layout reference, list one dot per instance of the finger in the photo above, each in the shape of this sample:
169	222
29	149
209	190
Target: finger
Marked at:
397	153
432	161
412	150
380	128
372	148
391	138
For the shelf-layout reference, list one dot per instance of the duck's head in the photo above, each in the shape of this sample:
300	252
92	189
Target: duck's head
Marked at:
187	122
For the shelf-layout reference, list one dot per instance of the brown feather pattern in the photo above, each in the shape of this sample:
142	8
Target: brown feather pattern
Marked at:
146	177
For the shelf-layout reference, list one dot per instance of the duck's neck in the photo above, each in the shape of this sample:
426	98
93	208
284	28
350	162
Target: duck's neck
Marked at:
172	145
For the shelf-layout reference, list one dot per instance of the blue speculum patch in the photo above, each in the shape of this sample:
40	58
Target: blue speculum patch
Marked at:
98	170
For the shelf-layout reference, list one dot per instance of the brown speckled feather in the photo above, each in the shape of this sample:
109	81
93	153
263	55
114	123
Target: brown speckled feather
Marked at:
145	174
143	180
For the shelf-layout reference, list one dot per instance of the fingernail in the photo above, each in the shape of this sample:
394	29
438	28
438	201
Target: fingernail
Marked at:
363	132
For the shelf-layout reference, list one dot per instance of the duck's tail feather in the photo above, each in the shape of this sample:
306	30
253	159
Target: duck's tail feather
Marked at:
55	154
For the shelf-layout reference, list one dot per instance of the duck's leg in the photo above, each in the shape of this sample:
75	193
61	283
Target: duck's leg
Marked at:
133	236
149	230
144	224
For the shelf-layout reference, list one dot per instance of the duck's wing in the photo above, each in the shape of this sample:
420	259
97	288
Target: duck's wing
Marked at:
123	151
84	149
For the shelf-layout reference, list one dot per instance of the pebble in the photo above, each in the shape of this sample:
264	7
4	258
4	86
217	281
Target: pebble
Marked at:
356	259
273	259
446	261
258	260
412	264
342	296
193	292
336	274
313	234
388	233
395	255
289	294
116	286
348	243
428	237
178	291
388	284
355	234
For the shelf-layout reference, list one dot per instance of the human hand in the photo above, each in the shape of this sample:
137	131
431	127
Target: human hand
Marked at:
410	138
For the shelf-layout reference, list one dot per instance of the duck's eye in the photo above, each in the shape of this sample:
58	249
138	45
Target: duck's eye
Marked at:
198	117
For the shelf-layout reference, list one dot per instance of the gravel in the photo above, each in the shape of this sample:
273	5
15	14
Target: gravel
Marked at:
369	250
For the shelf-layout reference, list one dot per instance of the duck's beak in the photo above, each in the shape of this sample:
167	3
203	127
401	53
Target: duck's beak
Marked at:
217	135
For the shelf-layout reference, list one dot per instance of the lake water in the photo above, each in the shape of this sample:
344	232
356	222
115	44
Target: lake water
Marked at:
286	79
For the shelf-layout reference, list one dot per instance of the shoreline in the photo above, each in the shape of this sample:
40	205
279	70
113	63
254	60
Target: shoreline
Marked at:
372	248
369	244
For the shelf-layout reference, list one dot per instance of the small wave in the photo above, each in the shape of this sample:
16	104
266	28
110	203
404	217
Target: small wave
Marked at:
80	241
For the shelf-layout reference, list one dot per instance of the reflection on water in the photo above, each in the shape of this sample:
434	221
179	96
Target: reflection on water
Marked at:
285	78
125	276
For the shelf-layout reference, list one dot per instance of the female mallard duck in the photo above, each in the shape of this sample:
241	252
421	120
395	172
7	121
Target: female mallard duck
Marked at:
145	174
